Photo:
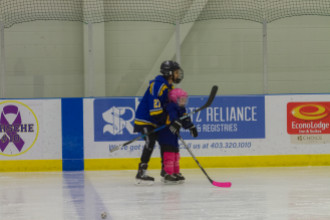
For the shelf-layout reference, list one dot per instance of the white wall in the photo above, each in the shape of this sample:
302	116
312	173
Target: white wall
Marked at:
52	59
131	50
227	53
299	55
44	59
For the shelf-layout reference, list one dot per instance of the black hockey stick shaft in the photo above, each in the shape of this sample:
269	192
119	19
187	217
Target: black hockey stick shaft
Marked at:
195	159
209	101
218	184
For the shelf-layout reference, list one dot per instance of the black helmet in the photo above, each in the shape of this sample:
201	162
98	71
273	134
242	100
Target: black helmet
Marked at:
168	67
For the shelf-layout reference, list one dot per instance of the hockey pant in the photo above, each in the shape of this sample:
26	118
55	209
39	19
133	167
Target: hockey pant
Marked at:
150	141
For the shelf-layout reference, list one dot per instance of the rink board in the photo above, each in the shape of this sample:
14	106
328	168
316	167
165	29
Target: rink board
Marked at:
30	135
236	131
262	140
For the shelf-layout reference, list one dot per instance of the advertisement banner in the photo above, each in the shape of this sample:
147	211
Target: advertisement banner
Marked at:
231	126
308	122
114	119
308	117
30	129
227	118
230	118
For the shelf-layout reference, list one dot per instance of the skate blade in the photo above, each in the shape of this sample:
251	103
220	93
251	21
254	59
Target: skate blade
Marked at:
166	182
139	182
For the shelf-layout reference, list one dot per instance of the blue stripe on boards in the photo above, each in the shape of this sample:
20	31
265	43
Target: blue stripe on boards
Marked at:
72	134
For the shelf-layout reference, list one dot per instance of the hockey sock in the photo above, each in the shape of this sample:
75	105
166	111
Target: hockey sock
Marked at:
169	158
177	163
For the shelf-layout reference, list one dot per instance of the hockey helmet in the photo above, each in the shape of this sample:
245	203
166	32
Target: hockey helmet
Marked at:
168	67
178	96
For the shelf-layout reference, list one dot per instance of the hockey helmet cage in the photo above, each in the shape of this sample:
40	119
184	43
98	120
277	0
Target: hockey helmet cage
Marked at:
168	67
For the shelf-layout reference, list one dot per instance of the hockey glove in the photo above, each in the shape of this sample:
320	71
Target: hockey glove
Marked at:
193	131
175	127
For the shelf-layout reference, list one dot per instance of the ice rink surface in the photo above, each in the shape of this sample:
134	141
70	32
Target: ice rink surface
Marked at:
256	194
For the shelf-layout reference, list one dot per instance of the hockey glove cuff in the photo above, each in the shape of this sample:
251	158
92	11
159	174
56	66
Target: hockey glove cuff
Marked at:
186	123
175	127
193	131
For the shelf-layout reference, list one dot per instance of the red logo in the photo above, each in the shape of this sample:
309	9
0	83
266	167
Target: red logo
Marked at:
308	117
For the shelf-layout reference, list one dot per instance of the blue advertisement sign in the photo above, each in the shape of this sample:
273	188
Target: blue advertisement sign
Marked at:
114	119
229	117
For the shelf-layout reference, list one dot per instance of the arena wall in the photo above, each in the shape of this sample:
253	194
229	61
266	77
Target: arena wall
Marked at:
236	131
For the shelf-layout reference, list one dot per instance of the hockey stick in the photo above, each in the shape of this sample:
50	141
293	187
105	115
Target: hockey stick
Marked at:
207	104
218	184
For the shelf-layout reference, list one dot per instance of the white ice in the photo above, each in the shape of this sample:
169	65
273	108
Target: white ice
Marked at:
256	194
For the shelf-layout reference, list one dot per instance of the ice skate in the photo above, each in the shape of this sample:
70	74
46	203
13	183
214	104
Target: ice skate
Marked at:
142	178
170	179
180	177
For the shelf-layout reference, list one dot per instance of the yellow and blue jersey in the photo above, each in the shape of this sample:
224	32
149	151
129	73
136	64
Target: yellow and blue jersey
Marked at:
151	110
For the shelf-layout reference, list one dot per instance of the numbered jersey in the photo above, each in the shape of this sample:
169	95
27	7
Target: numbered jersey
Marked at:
151	108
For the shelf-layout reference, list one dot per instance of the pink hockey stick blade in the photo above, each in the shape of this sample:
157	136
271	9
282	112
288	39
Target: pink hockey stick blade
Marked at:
223	184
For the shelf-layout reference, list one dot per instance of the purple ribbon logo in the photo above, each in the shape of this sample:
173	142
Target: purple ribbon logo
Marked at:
11	129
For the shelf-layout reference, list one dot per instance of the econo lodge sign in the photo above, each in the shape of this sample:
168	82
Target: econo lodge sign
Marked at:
308	118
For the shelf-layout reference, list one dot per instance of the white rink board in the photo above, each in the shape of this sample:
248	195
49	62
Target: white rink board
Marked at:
277	141
43	140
